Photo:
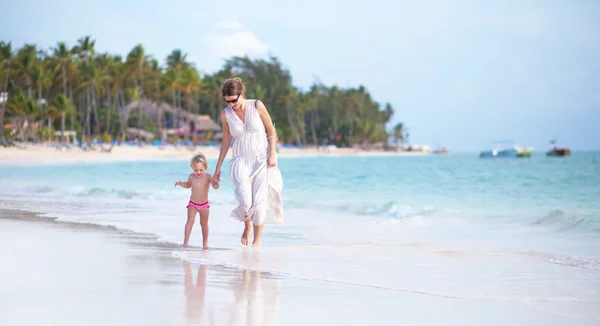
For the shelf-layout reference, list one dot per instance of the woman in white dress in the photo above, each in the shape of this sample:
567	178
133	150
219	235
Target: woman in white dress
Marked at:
253	167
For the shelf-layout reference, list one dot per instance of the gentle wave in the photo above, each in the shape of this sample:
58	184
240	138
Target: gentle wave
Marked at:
560	220
592	263
557	220
393	209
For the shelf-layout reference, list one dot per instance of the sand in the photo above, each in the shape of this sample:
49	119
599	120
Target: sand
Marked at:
47	154
59	273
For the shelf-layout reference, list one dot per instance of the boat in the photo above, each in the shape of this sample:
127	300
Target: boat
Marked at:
440	150
556	151
508	151
514	151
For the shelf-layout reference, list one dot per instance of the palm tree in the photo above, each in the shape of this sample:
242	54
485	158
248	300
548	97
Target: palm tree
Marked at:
399	133
27	112
137	60
85	48
25	65
6	56
191	86
61	106
64	61
93	82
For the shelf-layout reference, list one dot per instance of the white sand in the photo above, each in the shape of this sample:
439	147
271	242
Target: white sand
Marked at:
46	154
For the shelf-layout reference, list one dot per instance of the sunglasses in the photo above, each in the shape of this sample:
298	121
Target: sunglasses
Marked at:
232	101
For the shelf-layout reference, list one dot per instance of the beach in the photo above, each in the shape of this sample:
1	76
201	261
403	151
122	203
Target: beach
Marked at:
95	238
48	154
70	274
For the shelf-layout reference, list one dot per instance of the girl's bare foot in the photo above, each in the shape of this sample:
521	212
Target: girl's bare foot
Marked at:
185	245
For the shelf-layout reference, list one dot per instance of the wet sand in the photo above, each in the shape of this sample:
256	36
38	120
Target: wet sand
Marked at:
57	273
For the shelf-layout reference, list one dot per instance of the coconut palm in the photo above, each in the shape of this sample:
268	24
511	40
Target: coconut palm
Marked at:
100	88
61	107
6	57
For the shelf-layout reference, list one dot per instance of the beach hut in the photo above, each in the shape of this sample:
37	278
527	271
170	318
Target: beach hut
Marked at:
172	121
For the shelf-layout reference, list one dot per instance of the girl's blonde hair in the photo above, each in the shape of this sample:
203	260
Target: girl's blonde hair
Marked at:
200	158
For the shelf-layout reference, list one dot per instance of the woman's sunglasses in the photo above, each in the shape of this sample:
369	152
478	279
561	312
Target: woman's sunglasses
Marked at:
232	101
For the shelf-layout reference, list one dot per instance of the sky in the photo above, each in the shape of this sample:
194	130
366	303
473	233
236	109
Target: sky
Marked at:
458	73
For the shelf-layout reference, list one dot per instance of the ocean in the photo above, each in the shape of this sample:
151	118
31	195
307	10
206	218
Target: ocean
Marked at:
455	226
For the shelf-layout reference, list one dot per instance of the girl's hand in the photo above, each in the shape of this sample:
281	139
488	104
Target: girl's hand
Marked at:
177	183
272	160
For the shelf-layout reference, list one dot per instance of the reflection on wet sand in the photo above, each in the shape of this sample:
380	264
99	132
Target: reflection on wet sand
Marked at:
255	296
256	299
195	295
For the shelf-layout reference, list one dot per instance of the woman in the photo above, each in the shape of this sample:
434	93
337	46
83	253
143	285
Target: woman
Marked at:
253	168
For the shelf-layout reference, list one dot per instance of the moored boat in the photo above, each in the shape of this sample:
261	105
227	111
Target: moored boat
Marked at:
557	151
514	151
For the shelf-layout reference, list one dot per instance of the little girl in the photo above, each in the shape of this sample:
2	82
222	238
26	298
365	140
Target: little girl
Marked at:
200	182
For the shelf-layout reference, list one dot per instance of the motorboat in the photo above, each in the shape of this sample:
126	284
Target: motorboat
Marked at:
557	151
514	151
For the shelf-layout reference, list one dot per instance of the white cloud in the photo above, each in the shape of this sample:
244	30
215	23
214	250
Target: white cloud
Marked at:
237	43
229	24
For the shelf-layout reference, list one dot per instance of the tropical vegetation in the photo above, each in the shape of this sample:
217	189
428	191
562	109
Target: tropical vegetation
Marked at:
77	88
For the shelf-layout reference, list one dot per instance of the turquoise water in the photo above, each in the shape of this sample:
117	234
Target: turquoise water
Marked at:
442	222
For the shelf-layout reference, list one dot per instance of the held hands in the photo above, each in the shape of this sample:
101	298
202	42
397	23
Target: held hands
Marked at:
214	182
217	175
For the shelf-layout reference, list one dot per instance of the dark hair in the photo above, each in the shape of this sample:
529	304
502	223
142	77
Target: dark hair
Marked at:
232	86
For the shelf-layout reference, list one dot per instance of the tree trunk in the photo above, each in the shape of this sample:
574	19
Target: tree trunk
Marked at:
117	107
63	117
2	109
41	108
303	128
140	109
351	128
96	117
64	76
124	117
29	90
88	132
175	115
72	118
159	112
313	127
108	106
289	111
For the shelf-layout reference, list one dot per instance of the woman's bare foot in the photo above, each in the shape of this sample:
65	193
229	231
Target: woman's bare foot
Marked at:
245	235
257	234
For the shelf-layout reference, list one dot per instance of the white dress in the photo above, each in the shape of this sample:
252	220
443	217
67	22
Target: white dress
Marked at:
257	187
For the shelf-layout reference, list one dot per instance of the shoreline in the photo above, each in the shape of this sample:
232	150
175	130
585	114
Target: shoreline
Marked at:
47	154
134	279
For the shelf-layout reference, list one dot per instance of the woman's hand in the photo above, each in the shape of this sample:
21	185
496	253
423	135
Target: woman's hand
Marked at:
217	174
272	160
